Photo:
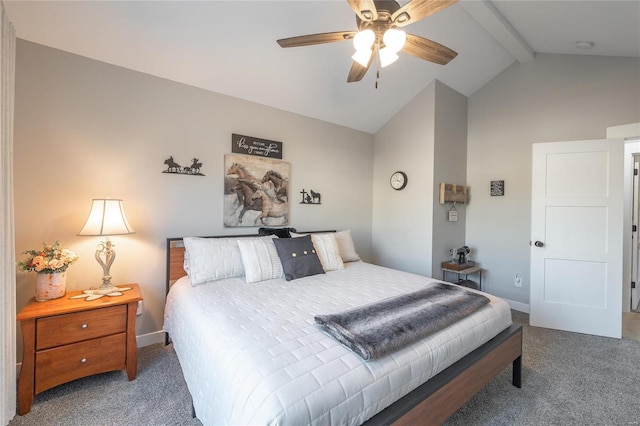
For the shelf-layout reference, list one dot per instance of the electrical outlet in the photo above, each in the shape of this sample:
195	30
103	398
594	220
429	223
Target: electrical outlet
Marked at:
140	308
518	280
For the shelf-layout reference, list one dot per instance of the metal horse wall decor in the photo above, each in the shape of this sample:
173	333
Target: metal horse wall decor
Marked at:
173	167
310	197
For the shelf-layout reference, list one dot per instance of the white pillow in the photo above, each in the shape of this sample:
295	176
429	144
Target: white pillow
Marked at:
260	259
343	243
346	246
327	249
212	259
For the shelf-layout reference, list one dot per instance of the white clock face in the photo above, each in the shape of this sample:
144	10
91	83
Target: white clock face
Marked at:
398	180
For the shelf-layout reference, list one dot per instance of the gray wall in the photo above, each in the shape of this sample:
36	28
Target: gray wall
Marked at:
402	227
450	166
85	129
551	98
427	140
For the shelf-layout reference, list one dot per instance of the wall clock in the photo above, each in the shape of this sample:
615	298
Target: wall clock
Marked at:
398	180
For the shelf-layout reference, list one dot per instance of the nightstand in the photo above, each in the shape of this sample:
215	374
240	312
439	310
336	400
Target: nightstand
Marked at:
66	339
465	270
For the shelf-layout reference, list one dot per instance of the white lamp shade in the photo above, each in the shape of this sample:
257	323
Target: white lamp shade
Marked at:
363	40
362	56
387	57
394	39
106	218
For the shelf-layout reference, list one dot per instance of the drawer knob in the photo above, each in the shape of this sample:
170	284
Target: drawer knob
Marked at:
83	360
84	326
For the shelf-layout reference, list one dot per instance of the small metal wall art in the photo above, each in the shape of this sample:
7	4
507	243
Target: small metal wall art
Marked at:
310	197
175	168
497	188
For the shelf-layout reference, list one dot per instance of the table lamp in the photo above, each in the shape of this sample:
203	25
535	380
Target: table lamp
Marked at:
105	218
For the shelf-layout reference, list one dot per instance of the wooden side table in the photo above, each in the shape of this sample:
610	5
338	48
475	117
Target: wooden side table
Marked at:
66	339
466	272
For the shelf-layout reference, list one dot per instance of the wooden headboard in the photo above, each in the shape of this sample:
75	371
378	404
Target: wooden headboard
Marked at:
175	254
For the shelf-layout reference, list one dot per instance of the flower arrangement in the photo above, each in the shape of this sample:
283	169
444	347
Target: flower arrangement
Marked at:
52	258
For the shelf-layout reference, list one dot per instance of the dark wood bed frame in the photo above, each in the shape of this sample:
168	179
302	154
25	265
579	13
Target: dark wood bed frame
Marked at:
437	399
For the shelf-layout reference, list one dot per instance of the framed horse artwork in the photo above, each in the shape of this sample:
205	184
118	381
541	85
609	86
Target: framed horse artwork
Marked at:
256	191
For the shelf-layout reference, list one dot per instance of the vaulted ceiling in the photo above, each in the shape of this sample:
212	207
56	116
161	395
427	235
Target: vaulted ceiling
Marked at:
230	47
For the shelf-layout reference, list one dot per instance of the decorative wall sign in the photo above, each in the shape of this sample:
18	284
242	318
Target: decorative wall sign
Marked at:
256	191
453	214
310	197
241	144
497	188
173	167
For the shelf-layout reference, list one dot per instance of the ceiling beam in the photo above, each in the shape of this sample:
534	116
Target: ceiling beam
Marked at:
490	18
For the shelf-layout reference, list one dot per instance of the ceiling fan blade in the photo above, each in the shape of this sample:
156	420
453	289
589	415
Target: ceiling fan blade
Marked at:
416	10
308	40
358	71
428	50
365	9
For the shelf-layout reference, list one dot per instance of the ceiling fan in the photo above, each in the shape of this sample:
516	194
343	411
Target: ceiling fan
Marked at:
378	34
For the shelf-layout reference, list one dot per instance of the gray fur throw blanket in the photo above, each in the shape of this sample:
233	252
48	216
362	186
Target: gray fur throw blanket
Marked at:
376	329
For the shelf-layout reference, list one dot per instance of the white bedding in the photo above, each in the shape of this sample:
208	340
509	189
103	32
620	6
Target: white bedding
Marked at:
252	353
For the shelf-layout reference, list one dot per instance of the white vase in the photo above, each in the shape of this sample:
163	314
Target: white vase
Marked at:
51	286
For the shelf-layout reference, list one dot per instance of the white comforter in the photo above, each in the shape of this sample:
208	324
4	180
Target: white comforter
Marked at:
252	353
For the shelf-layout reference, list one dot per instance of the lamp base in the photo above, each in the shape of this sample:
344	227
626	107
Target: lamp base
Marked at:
97	293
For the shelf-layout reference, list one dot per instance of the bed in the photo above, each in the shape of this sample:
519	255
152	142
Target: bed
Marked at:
251	352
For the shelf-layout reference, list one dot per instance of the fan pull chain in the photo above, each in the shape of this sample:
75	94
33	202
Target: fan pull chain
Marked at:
377	66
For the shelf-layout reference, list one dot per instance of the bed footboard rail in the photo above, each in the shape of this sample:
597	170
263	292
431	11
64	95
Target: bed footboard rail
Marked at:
436	400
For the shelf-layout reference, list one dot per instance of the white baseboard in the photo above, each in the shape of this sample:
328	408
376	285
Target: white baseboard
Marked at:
517	306
150	338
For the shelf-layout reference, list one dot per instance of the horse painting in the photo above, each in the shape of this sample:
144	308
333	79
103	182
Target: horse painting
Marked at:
242	172
245	191
256	191
281	184
269	207
315	196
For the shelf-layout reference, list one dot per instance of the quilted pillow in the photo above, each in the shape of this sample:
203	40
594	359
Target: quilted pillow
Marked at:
298	257
212	259
327	250
346	246
260	259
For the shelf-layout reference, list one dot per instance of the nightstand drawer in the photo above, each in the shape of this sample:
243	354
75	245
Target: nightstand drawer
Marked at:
70	362
78	326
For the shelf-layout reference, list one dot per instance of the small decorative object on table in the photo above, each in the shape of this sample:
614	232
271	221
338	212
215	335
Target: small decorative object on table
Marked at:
51	265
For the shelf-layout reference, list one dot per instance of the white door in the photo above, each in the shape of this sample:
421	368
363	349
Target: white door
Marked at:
635	245
577	236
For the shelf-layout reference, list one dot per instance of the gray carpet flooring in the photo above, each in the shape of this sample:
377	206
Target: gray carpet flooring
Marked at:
568	379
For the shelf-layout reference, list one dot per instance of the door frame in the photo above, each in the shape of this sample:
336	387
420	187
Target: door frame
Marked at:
631	148
629	132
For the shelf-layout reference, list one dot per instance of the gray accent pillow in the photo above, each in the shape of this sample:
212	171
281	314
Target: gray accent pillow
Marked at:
298	257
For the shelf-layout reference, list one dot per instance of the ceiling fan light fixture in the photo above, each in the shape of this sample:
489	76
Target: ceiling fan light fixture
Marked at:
387	57
362	56
363	40
394	39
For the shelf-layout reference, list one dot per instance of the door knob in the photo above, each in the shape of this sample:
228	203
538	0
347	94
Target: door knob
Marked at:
538	244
